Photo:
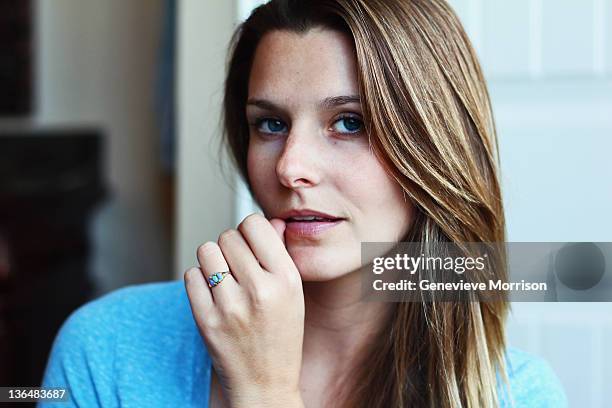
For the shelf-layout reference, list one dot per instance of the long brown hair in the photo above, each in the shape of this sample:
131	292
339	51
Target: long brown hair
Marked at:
427	111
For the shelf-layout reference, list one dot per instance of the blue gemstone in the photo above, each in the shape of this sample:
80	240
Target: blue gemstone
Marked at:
220	275
215	278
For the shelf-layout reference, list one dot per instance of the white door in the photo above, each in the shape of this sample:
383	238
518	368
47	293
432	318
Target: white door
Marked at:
549	67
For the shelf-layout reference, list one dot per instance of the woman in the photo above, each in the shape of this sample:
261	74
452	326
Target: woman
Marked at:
351	121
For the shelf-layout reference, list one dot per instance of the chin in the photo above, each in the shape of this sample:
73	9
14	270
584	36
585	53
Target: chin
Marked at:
317	264
309	275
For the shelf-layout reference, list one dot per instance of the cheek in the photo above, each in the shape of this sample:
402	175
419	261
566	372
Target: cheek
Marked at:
262	173
251	168
386	213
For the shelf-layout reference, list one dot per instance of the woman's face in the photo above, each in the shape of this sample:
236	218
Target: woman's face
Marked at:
309	152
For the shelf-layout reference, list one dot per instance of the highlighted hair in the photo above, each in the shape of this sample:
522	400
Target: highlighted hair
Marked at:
429	119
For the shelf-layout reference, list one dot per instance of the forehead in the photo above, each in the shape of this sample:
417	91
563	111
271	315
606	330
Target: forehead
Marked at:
314	64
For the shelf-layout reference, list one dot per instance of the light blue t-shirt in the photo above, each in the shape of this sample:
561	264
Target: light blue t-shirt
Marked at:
139	347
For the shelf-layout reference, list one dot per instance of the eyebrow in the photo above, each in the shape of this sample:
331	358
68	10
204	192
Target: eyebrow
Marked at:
326	103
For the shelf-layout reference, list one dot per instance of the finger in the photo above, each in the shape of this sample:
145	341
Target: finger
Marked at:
212	261
279	226
200	298
265	243
239	257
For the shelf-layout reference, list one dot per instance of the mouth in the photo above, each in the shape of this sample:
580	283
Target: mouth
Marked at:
309	223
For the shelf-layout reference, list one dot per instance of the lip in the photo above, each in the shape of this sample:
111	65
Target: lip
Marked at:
306	212
309	228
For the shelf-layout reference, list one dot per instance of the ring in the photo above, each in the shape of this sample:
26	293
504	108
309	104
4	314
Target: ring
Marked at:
216	278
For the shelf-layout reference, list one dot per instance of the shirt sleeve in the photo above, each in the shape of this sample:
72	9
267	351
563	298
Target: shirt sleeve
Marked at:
533	383
82	357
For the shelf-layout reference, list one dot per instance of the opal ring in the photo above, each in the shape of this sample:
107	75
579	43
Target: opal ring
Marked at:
216	278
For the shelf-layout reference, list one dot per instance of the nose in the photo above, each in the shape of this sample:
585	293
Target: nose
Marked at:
297	165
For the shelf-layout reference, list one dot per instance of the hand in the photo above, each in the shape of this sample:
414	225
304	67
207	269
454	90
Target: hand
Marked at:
253	321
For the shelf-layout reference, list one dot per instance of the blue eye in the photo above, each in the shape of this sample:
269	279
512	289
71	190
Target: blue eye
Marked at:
348	124
271	126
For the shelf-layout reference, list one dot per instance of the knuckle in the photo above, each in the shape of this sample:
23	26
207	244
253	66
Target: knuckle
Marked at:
235	316
261	297
212	323
206	248
294	283
190	275
232	311
252	221
226	236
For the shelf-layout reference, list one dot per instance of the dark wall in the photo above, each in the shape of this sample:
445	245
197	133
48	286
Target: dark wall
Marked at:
15	57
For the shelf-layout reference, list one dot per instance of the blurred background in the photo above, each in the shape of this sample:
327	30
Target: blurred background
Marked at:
86	162
110	172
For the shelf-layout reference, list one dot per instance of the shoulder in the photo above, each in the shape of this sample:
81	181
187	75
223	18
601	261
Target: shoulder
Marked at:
161	303
164	294
129	332
532	381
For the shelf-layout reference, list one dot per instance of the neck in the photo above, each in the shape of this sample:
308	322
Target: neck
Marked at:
338	323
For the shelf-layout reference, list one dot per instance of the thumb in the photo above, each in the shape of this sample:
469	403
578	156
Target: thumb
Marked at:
279	226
